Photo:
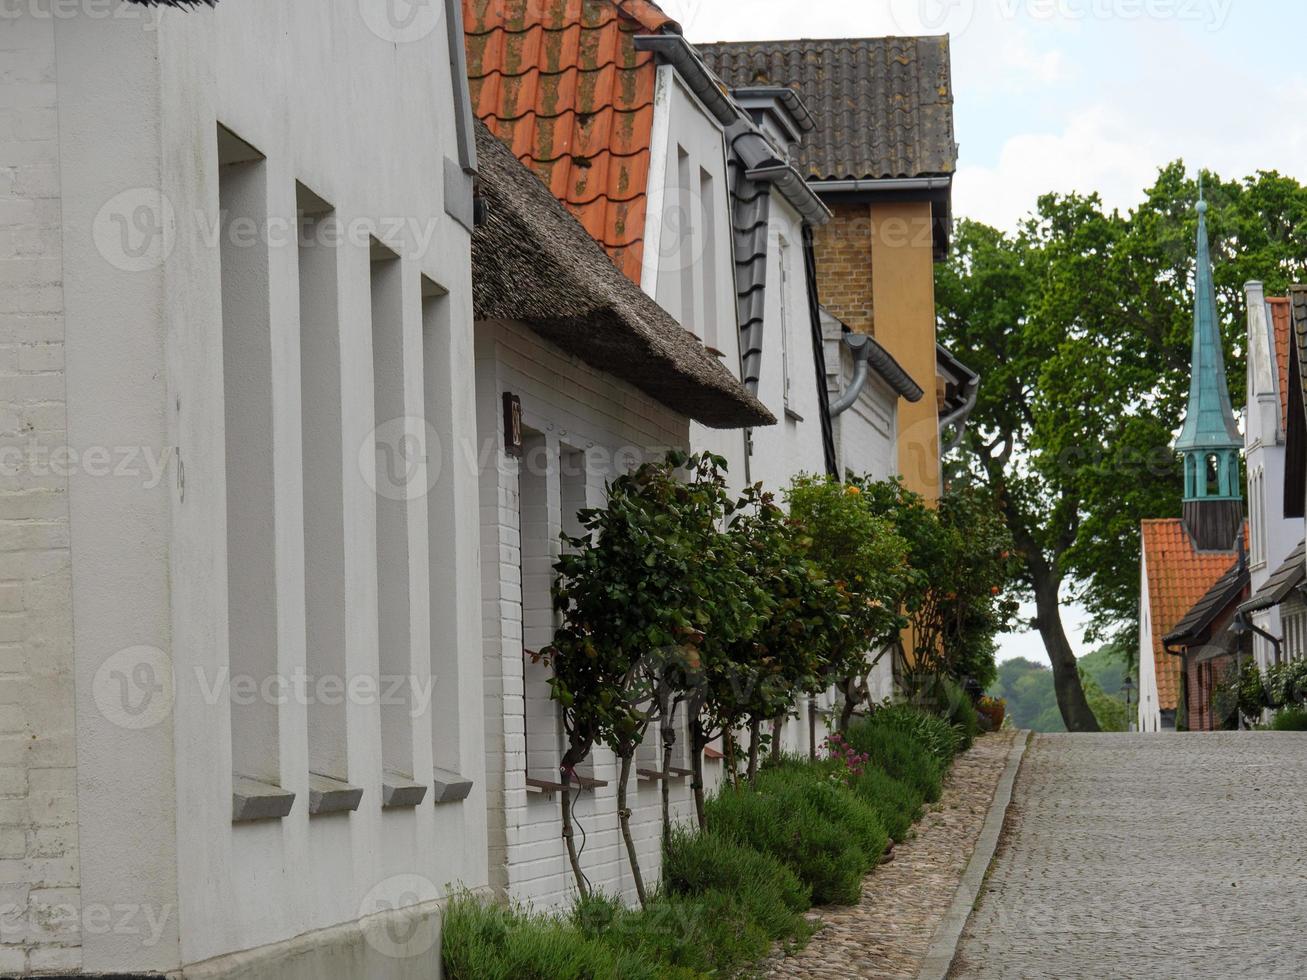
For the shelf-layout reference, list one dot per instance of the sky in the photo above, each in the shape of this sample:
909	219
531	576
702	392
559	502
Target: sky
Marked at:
1078	95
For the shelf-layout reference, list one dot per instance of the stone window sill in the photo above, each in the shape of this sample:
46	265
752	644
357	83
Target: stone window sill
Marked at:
399	792
451	787
328	795
253	800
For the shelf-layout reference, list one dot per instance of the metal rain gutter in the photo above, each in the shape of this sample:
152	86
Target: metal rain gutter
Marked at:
882	184
795	189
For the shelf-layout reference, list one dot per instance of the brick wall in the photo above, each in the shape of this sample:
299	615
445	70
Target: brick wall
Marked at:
39	901
572	407
1202	680
843	250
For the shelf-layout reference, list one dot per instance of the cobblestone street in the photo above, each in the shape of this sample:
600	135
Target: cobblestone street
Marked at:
886	934
1177	856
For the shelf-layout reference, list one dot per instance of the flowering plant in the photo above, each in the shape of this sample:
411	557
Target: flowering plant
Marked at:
849	763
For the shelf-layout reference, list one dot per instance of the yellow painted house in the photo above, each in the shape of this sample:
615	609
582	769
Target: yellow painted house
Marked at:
881	156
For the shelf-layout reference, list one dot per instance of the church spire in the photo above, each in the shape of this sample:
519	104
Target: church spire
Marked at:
1210	439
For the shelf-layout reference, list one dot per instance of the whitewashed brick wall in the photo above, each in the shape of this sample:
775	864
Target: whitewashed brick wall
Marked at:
39	900
576	408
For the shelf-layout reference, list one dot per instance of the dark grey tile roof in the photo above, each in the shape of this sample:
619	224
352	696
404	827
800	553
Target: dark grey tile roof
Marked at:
1199	619
1283	580
883	106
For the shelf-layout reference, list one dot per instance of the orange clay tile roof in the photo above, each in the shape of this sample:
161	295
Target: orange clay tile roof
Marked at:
561	83
1178	576
1280	316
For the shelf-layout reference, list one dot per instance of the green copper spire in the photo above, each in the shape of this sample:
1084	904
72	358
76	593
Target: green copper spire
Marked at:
1210	439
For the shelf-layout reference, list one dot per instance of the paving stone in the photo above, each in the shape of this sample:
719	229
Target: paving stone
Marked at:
1153	855
887	933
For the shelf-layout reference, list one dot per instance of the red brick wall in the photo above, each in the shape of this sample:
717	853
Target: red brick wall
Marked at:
1202	680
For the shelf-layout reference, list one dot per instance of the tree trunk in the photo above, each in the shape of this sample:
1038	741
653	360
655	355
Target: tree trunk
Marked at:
624	819
755	738
697	744
667	709
1077	714
812	729
848	687
776	725
571	760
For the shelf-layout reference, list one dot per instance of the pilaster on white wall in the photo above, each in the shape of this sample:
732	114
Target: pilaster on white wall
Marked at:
251	484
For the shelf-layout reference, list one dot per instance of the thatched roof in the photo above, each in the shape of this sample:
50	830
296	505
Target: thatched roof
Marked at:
533	262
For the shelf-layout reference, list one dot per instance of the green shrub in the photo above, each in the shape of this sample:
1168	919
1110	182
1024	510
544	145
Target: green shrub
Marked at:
705	935
934	732
702	862
816	828
836	803
909	745
489	942
897	804
1290	720
960	711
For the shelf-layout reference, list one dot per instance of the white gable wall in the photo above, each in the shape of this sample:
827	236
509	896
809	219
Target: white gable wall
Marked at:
1150	715
787	382
689	265
1272	535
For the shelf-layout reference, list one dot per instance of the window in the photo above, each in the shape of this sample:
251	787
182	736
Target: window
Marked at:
396	458
1257	515
1213	477
324	502
251	477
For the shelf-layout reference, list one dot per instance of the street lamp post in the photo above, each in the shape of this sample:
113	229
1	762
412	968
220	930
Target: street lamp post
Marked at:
1129	688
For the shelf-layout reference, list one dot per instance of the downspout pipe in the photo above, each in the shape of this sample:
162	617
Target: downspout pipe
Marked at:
960	417
860	346
1245	625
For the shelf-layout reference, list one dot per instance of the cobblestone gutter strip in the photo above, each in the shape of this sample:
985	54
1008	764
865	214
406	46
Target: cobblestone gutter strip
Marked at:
888	933
944	945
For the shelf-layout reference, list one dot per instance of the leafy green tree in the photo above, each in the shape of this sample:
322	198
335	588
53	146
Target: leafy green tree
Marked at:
652	589
860	550
1080	324
809	620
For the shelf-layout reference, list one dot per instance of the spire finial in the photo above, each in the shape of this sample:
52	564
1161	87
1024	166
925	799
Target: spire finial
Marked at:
1202	200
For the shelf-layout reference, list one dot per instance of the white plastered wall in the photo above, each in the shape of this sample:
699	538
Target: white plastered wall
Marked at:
140	100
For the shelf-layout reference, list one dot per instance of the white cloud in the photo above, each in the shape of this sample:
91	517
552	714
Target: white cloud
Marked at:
1098	151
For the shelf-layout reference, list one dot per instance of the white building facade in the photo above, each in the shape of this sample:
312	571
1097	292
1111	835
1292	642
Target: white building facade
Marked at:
246	733
1272	536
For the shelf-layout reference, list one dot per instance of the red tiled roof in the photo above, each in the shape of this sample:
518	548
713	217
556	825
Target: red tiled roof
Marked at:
561	83
1178	576
1281	318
